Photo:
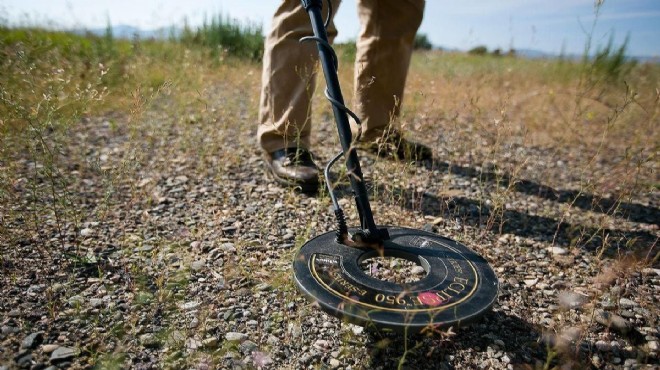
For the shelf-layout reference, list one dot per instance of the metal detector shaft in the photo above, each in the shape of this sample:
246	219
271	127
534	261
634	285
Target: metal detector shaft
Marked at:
313	8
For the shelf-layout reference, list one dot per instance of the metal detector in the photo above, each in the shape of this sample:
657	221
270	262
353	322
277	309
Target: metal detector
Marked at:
458	287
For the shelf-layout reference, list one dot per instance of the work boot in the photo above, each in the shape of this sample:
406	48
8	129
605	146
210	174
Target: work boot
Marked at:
393	145
293	167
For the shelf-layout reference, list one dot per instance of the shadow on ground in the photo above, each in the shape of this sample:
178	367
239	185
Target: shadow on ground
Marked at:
535	227
505	338
616	207
541	228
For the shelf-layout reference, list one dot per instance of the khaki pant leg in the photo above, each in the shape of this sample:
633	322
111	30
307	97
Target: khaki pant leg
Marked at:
384	49
288	78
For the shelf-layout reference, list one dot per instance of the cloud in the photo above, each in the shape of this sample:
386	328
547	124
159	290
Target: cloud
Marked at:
630	15
482	8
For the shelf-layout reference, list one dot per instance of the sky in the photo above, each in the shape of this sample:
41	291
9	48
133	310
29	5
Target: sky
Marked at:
551	26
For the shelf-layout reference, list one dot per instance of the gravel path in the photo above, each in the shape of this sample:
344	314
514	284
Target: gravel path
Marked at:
182	258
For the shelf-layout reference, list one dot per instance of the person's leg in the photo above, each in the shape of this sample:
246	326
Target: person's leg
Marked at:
384	49
288	79
288	82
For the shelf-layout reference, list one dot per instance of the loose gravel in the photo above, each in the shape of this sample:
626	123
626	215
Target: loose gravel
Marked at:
182	257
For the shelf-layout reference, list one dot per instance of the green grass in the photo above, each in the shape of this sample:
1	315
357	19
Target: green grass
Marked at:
225	35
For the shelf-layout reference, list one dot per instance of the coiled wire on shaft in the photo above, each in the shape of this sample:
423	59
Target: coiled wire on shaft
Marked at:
342	228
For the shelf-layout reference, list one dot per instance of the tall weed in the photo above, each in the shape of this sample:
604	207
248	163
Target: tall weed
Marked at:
609	63
226	35
49	81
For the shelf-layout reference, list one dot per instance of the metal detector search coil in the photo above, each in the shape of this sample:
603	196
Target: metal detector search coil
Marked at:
459	285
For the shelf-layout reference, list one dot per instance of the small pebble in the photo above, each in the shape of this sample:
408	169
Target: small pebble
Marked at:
235	337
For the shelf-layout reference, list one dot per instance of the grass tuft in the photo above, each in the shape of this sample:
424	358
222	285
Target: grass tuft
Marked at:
225	35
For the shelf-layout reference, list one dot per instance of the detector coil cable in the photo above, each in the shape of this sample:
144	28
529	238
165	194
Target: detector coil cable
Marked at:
342	228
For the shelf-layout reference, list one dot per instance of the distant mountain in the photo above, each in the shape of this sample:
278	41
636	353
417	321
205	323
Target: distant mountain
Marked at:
538	54
647	59
123	31
534	54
